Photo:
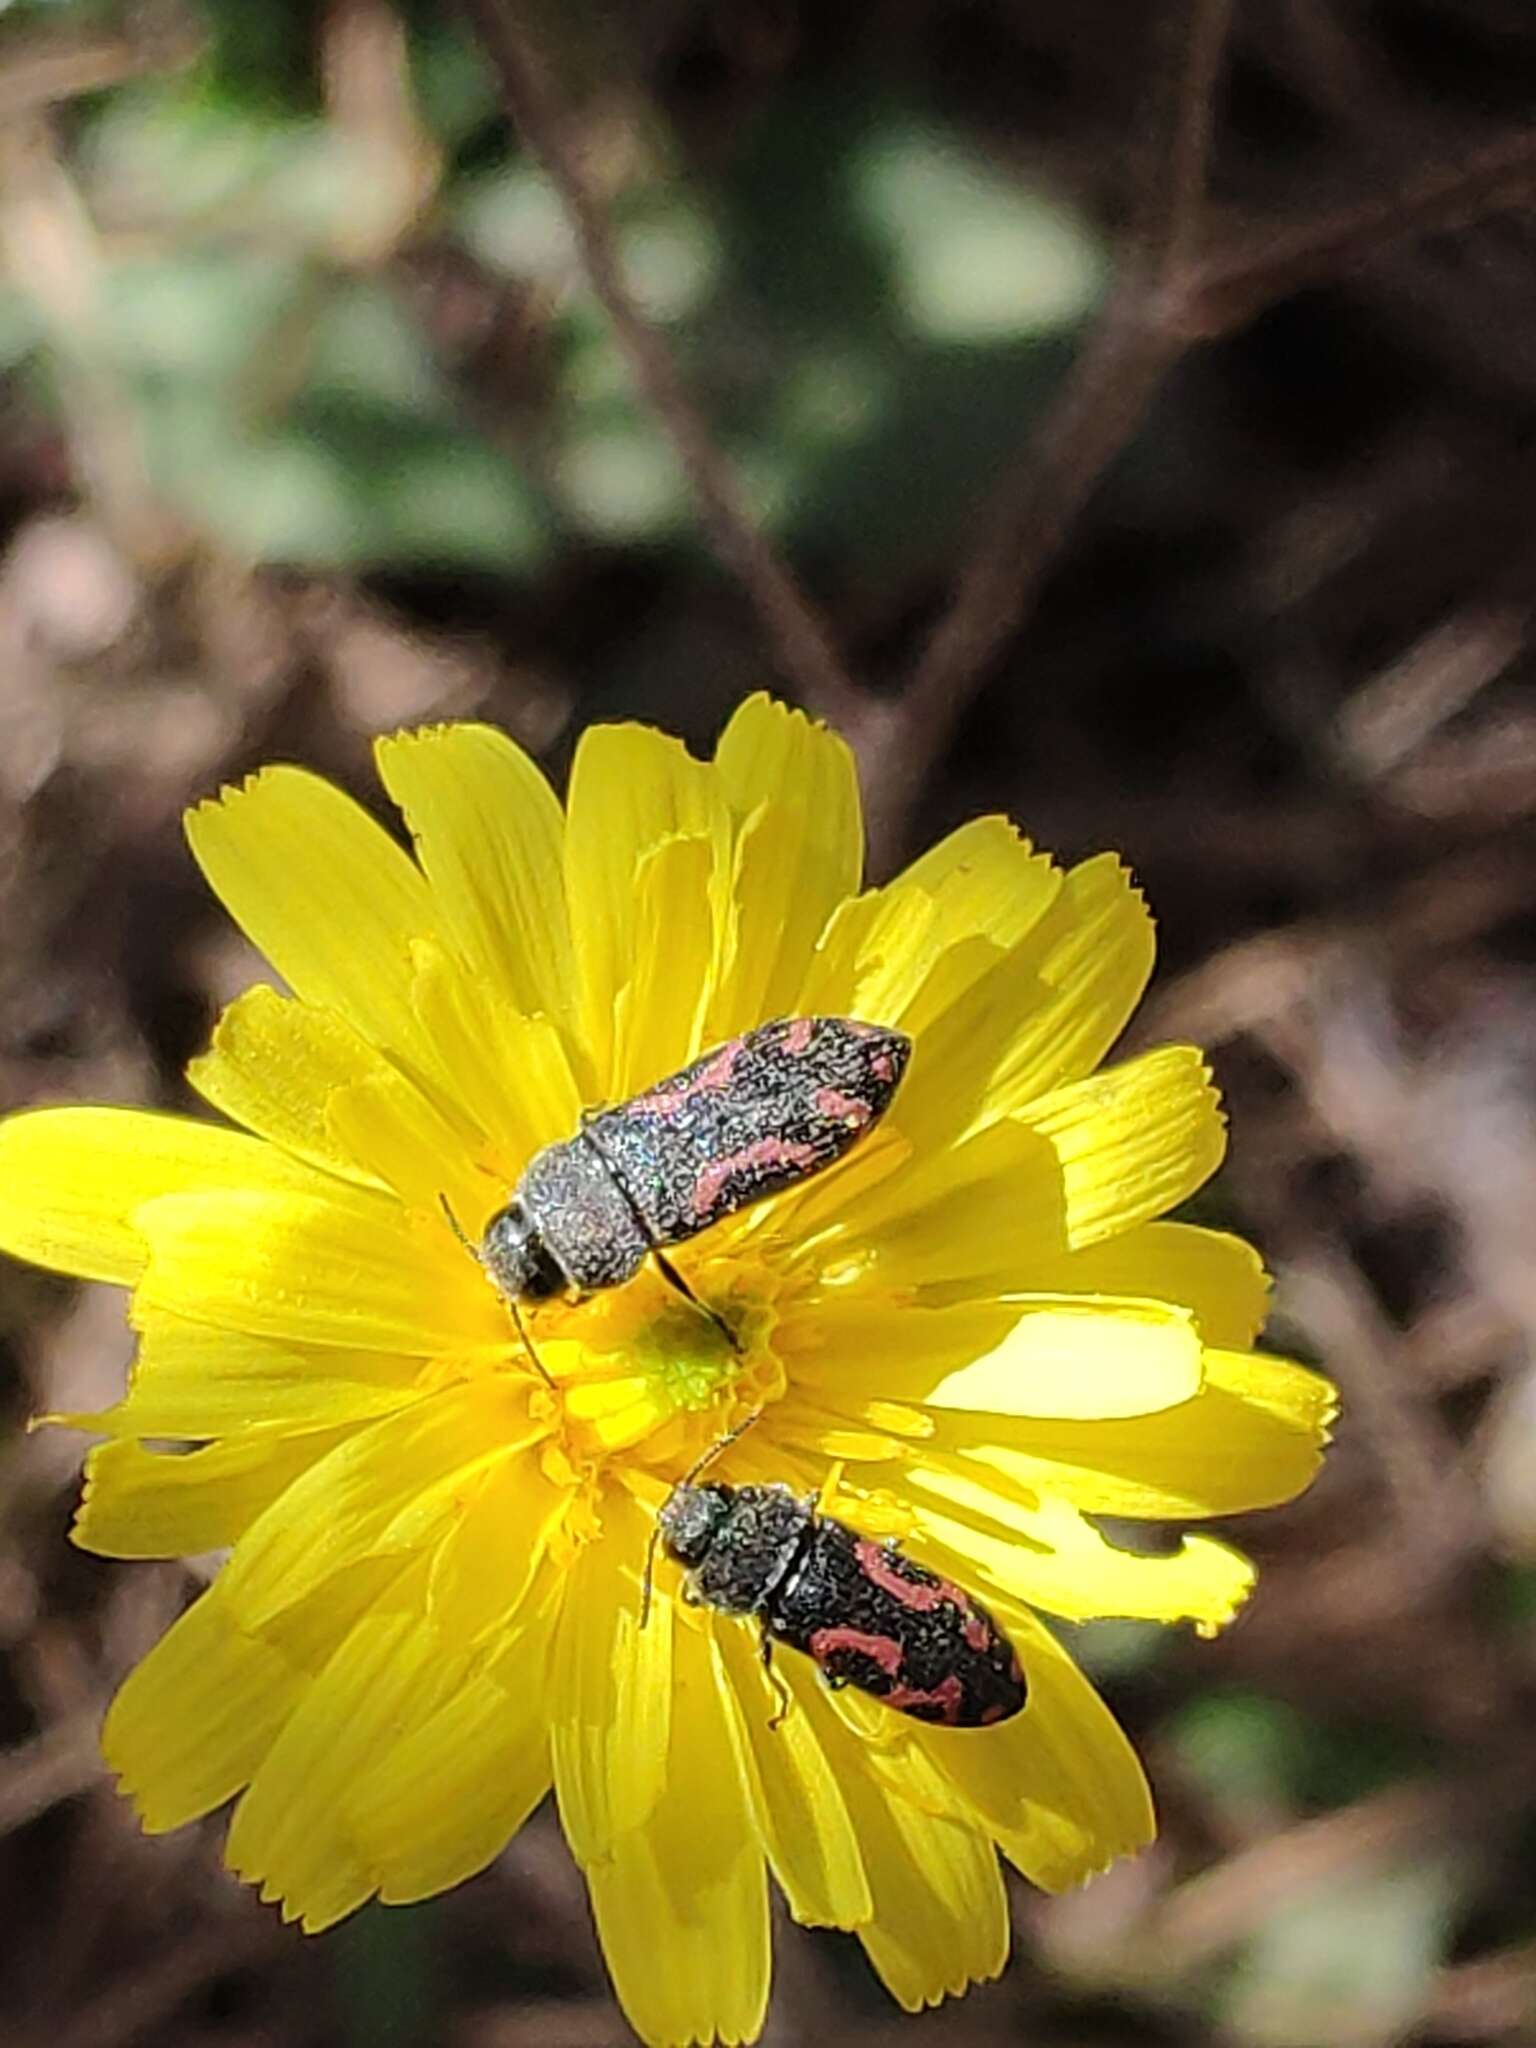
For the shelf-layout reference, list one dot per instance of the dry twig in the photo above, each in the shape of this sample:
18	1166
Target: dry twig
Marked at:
799	637
1168	296
1103	402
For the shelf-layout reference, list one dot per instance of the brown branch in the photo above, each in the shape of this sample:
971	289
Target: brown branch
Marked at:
1166	297
1227	289
1440	1524
799	637
1177	130
163	1982
51	1767
1103	402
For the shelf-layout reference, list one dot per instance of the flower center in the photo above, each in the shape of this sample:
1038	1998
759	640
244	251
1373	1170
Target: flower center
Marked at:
643	1372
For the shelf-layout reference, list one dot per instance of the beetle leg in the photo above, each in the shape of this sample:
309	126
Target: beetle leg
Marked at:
675	1279
780	1689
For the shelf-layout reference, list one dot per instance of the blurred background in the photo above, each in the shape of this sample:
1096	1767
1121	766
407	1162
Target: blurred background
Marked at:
310	427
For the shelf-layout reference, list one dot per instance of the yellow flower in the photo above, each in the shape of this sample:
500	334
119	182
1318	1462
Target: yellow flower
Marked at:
973	1334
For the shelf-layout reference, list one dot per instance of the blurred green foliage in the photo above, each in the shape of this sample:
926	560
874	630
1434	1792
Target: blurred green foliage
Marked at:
869	309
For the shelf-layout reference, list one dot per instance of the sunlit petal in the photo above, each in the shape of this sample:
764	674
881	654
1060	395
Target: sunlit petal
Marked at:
802	1811
194	1720
632	791
490	836
72	1181
325	894
681	1903
611	1690
794	798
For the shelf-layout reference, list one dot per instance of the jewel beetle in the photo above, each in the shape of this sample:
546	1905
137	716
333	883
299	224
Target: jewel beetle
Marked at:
749	1118
867	1613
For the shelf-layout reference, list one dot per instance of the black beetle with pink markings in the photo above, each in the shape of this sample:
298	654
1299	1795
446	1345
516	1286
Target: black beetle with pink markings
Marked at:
865	1612
747	1120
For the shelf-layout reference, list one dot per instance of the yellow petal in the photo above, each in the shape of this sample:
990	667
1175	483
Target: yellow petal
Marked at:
802	1815
844	1338
990	1214
681	1904
325	894
1047	1555
916	953
193	1381
384	1121
793	792
988	880
273	1066
436	1805
941	1916
1252	1437
1093	950
973	972
194	1720
513	1075
977	1219
1132	1141
305	1079
658	1015
631	791
490	837
497	1545
71	1181
940	1919
340	1269
390	1490
964	1024
611	1688
142	1503
1217	1277
289	1833
874	956
1059	1786
1062	1358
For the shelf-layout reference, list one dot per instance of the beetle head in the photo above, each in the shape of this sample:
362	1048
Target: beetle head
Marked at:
691	1519
514	1253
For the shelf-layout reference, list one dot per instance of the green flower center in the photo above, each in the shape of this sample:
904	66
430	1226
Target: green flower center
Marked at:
633	1366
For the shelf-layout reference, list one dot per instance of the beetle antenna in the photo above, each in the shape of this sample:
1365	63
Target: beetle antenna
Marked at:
705	1458
517	1315
522	1330
457	1228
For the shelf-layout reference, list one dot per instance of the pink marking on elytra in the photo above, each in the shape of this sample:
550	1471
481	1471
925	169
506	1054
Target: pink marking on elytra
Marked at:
876	1565
842	1108
882	1650
797	1038
921	1596
976	1632
882	1067
667	1101
719	1070
996	1712
949	1694
762	1152
924	1598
